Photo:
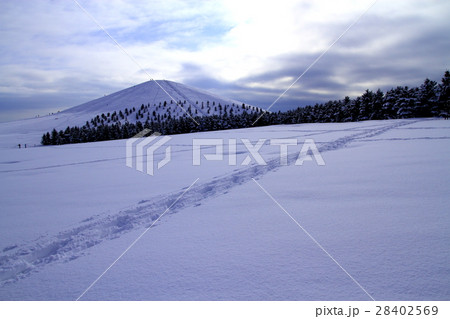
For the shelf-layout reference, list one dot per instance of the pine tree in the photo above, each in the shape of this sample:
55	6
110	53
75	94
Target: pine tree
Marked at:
444	96
427	99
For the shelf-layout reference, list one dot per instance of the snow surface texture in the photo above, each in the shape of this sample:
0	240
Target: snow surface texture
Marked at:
380	207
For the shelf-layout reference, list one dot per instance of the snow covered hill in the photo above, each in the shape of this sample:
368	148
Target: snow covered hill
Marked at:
159	98
379	206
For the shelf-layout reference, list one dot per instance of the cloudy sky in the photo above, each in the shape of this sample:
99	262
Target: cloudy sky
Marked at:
53	55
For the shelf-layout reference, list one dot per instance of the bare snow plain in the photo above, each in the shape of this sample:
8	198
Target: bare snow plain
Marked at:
380	207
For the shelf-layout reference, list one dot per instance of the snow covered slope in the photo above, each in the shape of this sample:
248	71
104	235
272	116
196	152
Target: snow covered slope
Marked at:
379	206
153	94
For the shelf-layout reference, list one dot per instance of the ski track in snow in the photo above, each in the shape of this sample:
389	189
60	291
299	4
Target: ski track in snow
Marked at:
20	260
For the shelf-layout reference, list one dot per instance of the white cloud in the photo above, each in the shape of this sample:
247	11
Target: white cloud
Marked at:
53	47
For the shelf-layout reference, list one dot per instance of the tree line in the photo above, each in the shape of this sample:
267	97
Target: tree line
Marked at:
428	100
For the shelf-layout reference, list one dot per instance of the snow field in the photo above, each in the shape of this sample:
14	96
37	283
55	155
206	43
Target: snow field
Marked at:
379	207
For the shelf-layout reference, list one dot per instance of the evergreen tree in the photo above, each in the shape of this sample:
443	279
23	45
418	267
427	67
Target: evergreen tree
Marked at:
427	99
444	96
